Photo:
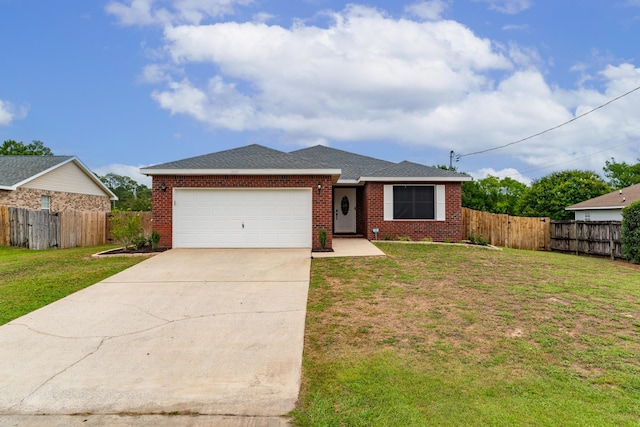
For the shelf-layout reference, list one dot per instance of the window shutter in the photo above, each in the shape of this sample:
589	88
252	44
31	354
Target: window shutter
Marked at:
441	205
388	202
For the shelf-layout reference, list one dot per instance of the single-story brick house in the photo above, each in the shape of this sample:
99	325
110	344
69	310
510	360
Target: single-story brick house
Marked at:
607	207
256	196
55	183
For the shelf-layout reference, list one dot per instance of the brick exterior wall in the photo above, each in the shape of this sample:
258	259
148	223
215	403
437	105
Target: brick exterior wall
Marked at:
439	231
31	199
163	200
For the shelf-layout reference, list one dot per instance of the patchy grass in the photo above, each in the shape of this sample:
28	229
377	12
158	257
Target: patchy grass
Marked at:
33	279
448	335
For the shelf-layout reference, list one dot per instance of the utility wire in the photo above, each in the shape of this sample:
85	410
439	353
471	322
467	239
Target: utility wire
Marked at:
576	158
550	129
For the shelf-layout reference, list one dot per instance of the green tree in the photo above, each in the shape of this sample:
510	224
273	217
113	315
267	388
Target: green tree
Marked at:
492	194
17	148
550	195
131	195
630	232
621	175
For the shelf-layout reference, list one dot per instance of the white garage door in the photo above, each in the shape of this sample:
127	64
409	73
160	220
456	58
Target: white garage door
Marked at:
242	218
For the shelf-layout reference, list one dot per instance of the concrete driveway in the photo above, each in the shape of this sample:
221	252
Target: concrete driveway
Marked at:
207	331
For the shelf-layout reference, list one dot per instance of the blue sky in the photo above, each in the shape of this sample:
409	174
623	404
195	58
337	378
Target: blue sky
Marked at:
123	84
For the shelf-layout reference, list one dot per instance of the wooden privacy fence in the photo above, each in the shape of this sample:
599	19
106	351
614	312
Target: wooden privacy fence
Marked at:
508	231
600	238
68	229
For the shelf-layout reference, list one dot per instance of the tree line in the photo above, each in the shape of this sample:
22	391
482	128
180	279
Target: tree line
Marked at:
550	195
545	197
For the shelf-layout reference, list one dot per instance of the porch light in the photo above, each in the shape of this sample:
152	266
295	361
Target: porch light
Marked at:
319	188
163	186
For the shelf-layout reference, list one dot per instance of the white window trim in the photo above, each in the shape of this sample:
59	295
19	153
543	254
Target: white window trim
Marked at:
440	202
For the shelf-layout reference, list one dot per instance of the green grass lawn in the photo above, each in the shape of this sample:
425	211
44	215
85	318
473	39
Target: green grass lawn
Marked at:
442	335
32	279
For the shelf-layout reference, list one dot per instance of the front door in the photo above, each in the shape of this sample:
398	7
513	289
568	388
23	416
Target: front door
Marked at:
344	210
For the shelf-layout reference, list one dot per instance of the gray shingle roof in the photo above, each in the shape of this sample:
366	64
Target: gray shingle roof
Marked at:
16	169
353	165
410	169
249	157
615	199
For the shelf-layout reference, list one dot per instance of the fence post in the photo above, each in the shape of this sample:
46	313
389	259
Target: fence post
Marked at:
577	240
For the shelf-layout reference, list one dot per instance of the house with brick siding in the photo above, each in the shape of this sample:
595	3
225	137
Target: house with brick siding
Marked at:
54	183
255	196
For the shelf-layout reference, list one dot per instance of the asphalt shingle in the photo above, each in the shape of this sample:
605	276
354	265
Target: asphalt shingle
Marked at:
615	199
410	169
16	169
250	157
353	165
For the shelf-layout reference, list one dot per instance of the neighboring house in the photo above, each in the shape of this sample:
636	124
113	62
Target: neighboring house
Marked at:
607	207
55	183
255	196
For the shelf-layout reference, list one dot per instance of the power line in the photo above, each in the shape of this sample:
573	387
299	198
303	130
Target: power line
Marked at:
576	158
550	129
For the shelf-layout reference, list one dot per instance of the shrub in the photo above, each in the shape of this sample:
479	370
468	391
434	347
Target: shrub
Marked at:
630	232
126	227
155	240
322	236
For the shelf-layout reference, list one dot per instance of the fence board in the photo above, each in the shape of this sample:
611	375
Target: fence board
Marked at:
68	229
506	230
600	238
5	230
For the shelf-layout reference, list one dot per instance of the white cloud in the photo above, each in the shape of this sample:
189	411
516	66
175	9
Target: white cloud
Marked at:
510	7
344	82
165	12
368	76
429	10
154	73
9	113
516	27
132	172
503	173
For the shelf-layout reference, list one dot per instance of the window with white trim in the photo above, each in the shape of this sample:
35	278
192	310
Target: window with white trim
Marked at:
414	202
45	202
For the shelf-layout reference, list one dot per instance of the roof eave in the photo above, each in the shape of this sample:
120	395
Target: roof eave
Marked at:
152	172
415	179
594	208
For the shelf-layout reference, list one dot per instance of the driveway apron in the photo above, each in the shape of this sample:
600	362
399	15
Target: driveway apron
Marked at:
209	331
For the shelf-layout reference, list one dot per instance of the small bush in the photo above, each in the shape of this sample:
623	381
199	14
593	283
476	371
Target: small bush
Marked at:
478	239
126	227
139	242
155	240
630	232
322	236
403	238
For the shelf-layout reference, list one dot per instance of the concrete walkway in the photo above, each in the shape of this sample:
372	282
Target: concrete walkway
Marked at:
217	332
350	247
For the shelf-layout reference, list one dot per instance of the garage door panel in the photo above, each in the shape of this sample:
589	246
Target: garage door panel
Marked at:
210	218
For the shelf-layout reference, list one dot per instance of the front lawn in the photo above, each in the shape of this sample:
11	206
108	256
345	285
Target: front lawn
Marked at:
448	336
32	279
